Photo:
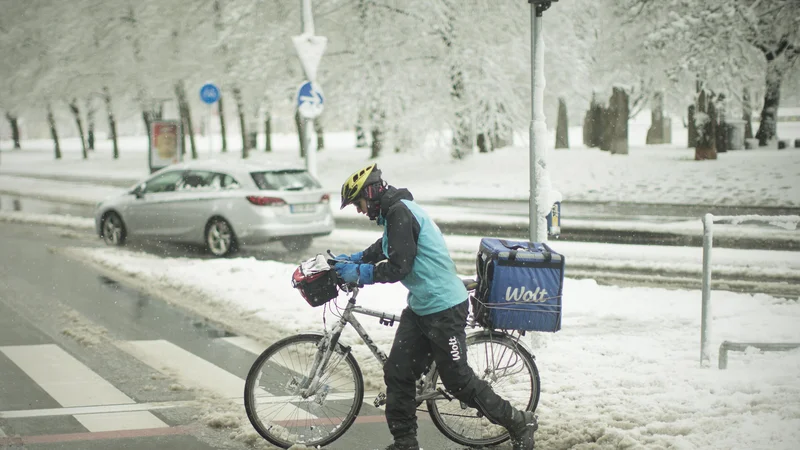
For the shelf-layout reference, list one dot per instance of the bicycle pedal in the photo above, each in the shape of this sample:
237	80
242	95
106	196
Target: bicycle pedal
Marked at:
445	394
380	400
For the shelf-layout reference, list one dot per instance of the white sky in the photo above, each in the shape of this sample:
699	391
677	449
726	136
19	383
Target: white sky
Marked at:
624	371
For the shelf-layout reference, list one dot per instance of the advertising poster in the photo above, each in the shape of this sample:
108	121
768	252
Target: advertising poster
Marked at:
165	139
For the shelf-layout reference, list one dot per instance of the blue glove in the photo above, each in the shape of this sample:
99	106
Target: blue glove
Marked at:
355	257
355	273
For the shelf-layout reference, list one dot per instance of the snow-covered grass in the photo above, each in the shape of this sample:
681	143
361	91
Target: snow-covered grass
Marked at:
624	371
649	174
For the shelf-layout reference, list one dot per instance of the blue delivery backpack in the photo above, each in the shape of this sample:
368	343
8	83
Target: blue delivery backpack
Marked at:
519	286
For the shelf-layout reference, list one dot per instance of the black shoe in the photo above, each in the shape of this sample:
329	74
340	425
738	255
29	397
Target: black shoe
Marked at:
522	431
404	443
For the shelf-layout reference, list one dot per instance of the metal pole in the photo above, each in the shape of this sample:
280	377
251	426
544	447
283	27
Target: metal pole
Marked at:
307	27
538	227
705	318
208	130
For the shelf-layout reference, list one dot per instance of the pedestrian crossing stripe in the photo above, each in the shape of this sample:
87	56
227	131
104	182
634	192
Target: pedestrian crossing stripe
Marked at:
193	371
253	346
71	383
100	407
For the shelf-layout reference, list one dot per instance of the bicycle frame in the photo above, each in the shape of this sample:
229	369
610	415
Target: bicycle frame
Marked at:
332	339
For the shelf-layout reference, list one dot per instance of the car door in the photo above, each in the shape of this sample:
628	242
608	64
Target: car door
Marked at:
198	189
150	214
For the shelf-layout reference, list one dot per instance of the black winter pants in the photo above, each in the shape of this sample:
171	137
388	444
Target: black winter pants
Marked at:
439	337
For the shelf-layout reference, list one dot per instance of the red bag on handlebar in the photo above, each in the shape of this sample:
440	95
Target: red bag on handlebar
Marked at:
316	281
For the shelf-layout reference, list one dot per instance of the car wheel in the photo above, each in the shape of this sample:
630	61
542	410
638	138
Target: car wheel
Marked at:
297	243
220	240
113	229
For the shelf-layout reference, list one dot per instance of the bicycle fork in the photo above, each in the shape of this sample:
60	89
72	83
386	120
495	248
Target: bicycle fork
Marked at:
325	348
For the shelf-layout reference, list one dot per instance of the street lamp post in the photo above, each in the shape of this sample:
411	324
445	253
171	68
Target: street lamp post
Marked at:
538	128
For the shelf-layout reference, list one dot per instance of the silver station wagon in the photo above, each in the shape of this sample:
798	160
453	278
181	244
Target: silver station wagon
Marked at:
222	205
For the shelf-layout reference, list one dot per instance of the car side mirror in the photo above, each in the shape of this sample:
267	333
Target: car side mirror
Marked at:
139	190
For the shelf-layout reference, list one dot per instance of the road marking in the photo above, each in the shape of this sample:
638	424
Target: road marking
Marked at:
75	437
246	343
63	377
189	368
46	412
194	371
72	384
253	346
133	420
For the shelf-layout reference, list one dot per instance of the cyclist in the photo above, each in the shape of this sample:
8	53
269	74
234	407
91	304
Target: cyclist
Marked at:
413	252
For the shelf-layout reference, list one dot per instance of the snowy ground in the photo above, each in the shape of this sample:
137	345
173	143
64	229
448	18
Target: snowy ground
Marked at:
624	371
649	174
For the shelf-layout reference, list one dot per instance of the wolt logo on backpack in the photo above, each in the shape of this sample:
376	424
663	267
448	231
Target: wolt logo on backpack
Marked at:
521	295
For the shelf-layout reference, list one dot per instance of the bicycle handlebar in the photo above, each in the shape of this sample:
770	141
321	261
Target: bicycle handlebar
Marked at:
469	283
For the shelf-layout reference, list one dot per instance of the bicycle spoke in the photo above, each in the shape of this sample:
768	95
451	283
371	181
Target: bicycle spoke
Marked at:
497	360
285	417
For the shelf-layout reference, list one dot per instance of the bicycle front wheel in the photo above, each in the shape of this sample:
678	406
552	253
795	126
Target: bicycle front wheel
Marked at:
279	405
511	372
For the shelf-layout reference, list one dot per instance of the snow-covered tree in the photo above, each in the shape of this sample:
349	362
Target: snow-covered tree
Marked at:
724	43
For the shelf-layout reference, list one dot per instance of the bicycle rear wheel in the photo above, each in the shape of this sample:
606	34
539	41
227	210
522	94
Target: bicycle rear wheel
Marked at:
511	372
281	414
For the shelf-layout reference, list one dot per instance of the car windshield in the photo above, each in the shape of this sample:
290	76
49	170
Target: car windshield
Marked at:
285	180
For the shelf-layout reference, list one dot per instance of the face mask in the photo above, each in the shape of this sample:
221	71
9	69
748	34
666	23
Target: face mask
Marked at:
373	209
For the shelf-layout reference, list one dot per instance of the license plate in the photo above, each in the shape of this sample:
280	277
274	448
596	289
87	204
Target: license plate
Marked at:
303	208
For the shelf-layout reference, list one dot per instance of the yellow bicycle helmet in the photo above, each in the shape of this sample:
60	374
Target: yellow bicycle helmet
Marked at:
354	184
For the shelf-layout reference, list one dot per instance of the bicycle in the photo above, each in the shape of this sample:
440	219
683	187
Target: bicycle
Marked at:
299	392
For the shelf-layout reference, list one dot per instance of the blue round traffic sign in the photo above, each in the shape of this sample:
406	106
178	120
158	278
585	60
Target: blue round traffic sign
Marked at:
209	93
310	101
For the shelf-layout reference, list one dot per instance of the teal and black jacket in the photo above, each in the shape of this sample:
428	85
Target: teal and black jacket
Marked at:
412	251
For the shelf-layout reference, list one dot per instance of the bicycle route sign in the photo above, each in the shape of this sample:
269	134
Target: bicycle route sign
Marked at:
209	93
310	101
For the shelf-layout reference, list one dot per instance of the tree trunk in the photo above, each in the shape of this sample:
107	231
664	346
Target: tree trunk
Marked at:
588	125
377	141
618	121
182	129
593	124
656	132
500	135
76	113
147	121
51	121
90	113
747	114
268	133
378	132
180	95
221	113
604	128
767	129
14	124
721	138
298	122
482	141
112	124
237	96
691	126
462	141
562	126
186	116
361	136
320	133
705	118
